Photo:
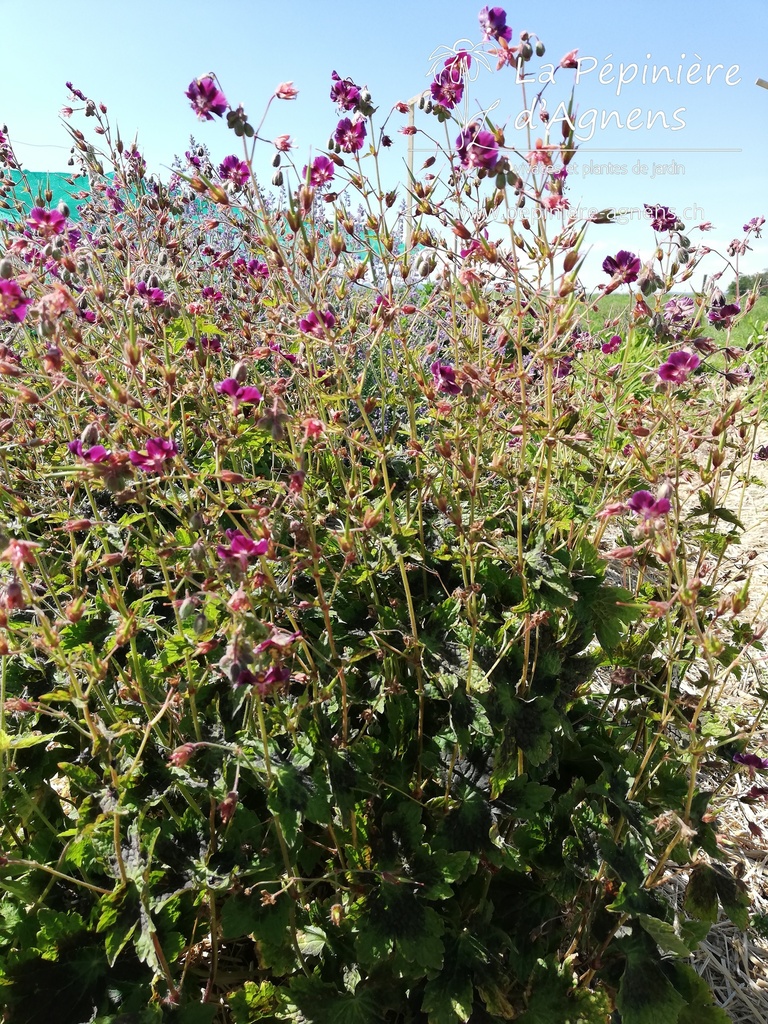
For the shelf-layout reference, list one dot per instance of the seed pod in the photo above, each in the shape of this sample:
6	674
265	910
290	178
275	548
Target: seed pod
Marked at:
571	259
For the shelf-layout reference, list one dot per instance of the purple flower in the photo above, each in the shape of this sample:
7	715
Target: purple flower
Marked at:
254	267
678	366
241	548
158	452
274	677
350	135
493	22
678	309
76	92
624	265
562	367
47	222
321	171
206	98
477	147
96	453
445	378
344	92
448	88
647	506
721	313
612	345
234	169
152	296
662	218
13	302
755	224
752	761
310	324
239	393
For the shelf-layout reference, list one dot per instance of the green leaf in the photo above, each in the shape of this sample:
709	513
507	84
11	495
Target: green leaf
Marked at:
54	928
733	895
693	932
664	935
118	937
247	915
646	996
288	799
197	1013
253	1002
701	894
321	1003
312	941
612	609
26	739
448	998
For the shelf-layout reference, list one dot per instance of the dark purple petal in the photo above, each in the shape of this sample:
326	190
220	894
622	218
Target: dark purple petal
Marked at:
752	761
228	387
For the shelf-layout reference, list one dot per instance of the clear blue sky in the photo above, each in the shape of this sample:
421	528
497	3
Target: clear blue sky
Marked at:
138	58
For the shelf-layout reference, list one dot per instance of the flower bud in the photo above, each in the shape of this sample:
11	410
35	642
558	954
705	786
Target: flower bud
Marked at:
12	597
6	269
240	371
277	178
540	49
227	807
90	436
